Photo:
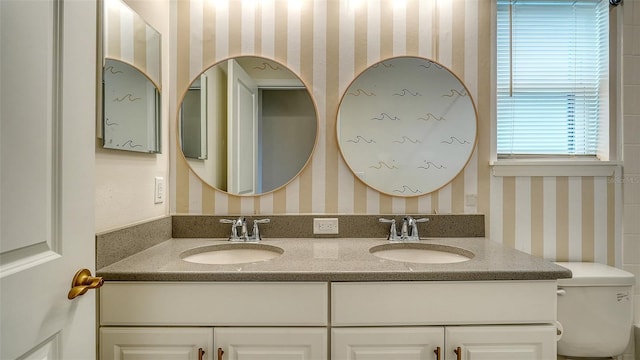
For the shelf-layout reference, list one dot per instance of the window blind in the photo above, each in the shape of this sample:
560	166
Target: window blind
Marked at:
552	76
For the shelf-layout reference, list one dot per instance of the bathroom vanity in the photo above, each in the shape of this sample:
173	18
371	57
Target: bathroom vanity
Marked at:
330	299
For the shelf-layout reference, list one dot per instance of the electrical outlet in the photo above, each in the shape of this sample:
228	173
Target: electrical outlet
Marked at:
158	194
323	226
471	200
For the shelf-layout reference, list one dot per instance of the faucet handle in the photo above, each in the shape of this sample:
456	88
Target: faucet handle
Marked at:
414	227
393	233
234	230
256	231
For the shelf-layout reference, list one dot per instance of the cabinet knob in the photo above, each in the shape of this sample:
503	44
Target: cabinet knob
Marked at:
458	352
437	352
200	354
220	353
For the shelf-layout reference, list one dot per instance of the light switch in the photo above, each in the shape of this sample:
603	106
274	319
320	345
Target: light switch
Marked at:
159	190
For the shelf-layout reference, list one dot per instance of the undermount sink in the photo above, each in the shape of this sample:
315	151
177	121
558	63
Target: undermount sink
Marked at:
421	253
231	253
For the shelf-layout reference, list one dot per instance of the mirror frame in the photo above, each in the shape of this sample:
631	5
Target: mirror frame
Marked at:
435	188
218	62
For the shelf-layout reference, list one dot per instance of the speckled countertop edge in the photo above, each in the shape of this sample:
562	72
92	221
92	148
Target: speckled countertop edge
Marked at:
341	259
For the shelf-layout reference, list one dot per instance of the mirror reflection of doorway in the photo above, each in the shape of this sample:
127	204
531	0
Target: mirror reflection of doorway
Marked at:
244	134
242	131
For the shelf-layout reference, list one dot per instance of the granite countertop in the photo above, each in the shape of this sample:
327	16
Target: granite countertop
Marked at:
335	259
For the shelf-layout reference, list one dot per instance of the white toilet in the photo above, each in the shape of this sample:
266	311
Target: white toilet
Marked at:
595	308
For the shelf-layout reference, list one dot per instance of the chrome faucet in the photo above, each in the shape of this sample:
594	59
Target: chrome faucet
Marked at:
404	230
244	236
242	224
408	230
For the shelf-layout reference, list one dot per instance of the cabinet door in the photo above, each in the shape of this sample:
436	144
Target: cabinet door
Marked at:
513	342
271	343
156	343
411	343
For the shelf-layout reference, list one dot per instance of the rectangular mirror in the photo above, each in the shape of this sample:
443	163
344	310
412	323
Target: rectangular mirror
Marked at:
131	69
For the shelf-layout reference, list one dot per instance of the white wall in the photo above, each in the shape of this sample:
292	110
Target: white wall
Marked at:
125	180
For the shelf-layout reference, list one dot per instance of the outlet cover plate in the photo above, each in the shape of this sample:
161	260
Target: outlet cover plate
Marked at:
325	226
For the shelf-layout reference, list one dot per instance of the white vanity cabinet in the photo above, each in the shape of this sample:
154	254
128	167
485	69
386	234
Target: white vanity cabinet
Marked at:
220	343
477	320
271	343
144	343
195	321
384	343
504	342
468	320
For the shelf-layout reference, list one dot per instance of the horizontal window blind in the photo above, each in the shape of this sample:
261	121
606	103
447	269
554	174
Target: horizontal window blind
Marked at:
552	76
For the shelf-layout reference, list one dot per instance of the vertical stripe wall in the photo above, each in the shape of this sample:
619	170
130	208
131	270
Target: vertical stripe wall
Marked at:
327	43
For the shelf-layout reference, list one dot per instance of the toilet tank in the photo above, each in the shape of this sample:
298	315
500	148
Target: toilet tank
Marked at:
595	308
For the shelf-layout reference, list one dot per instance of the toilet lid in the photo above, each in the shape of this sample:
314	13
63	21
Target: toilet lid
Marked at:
595	274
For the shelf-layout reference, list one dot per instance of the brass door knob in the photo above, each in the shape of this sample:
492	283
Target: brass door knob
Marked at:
83	282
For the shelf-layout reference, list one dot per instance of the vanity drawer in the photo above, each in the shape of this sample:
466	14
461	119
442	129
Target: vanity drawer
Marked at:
214	303
443	303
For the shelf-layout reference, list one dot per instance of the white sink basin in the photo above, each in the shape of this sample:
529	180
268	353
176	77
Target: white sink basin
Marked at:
239	253
421	253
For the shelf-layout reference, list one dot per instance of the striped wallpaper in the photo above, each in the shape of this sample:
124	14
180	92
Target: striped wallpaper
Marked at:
327	43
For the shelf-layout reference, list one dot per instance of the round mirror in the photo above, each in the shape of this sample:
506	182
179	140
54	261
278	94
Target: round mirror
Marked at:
406	126
247	125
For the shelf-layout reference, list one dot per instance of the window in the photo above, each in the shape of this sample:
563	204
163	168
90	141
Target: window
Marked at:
552	77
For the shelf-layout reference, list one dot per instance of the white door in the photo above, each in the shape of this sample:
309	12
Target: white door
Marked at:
514	342
47	140
270	343
125	343
411	343
242	130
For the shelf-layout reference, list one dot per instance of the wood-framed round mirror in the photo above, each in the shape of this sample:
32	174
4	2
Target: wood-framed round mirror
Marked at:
406	126
247	125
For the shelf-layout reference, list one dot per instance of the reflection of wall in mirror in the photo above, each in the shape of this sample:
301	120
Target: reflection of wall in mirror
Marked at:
287	122
129	38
